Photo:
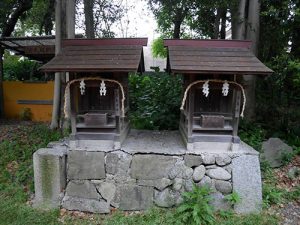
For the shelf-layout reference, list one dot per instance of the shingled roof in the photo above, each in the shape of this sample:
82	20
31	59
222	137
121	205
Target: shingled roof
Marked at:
99	55
213	57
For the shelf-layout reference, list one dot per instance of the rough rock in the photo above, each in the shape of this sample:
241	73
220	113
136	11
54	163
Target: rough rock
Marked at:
85	205
219	202
107	190
211	167
222	160
117	162
228	168
199	173
85	165
225	187
133	197
160	184
205	181
273	149
82	189
189	184
246	179
166	198
218	173
208	159
180	170
294	172
193	160
149	167
177	184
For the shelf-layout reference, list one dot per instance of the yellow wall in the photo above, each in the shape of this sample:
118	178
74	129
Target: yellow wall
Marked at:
17	90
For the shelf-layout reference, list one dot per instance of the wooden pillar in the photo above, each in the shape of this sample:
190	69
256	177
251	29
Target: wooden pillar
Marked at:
236	112
1	83
57	81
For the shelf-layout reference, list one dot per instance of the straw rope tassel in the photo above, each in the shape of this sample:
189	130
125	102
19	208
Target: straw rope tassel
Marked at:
215	81
67	92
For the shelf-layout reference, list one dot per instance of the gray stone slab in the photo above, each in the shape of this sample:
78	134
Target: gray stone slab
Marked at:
85	165
82	189
85	205
166	198
117	162
160	184
273	151
225	187
161	142
149	167
219	202
246	178
133	197
49	166
218	173
193	160
107	190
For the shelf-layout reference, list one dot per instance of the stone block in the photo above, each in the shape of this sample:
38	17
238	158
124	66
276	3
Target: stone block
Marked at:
223	159
225	187
193	160
160	184
149	167
117	162
208	159
85	205
246	178
107	190
49	166
82	189
85	165
273	150
166	198
199	173
180	170
133	197
218	173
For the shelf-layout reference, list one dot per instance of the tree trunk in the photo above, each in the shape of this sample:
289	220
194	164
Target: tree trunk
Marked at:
239	21
223	24
176	33
1	84
89	18
217	24
253	35
57	82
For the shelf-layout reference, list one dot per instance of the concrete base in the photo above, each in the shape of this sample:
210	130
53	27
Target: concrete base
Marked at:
153	168
49	176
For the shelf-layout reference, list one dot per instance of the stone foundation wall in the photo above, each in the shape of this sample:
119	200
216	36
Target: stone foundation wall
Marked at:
98	181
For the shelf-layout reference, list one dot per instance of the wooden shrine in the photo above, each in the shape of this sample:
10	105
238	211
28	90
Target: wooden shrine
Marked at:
98	86
213	100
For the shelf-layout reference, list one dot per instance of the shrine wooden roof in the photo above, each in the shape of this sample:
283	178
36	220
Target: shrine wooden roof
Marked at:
99	55
213	57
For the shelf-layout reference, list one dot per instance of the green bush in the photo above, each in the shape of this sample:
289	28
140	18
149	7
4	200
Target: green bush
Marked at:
155	101
195	208
16	69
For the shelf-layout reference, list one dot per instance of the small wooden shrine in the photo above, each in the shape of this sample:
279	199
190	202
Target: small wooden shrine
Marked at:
98	86
213	99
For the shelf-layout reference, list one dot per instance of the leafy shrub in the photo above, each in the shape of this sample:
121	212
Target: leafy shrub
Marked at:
16	69
195	208
271	194
233	198
155	101
26	114
251	133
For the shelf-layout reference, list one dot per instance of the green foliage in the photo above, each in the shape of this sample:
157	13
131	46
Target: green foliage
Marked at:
195	208
252	134
158	49
16	69
287	157
278	99
155	101
233	198
271	195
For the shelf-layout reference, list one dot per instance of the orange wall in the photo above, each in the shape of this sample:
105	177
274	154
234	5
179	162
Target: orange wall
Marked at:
17	90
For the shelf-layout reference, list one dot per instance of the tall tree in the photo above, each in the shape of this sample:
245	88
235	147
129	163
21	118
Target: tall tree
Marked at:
10	13
89	18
